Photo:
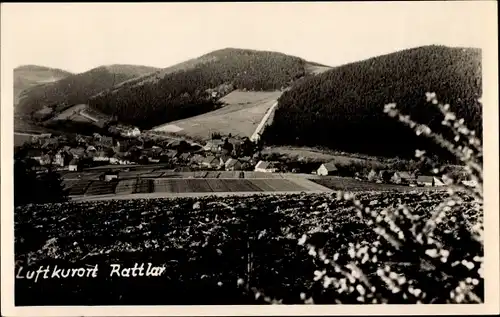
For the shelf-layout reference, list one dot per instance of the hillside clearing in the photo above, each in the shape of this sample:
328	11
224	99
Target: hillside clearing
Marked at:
321	156
240	115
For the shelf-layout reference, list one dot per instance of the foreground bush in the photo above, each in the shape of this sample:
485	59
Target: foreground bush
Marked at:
415	258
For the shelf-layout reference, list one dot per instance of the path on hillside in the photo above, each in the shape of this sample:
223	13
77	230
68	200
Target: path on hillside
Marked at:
263	122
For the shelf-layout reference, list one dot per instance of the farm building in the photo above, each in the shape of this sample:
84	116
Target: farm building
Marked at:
233	165
429	181
210	161
73	165
327	169
266	167
403	178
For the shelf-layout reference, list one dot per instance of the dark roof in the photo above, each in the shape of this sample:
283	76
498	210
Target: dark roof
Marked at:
34	153
73	162
330	166
231	162
264	164
405	175
209	159
425	178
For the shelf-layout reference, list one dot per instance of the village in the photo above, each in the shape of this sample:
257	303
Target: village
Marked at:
111	158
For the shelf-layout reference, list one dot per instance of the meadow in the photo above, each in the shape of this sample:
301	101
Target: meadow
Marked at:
240	115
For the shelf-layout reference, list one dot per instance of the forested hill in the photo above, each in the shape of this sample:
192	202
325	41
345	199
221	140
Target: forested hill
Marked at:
342	108
193	87
27	76
77	88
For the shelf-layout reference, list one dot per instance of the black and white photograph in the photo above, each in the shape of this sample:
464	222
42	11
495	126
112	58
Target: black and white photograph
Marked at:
250	154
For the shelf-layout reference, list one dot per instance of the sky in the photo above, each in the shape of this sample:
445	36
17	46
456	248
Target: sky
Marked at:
80	36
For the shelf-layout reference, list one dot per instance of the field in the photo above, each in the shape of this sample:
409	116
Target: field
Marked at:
81	113
347	183
322	155
240	115
161	182
173	185
204	244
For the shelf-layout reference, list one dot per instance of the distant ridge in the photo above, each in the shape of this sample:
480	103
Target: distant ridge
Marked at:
76	88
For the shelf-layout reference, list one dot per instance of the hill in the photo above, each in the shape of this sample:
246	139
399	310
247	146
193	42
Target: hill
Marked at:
342	108
77	88
195	86
27	76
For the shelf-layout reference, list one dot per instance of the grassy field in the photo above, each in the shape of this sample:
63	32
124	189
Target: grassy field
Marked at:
322	155
240	115
204	245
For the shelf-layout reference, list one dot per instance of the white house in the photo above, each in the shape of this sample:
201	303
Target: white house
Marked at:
266	167
327	169
73	165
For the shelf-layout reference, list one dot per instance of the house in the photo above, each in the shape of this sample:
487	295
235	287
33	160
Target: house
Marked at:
185	157
50	143
214	145
327	169
73	165
77	152
210	161
106	141
227	147
429	181
58	159
233	165
267	167
372	176
45	159
131	132
197	159
405	177
101	156
91	148
224	158
81	139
